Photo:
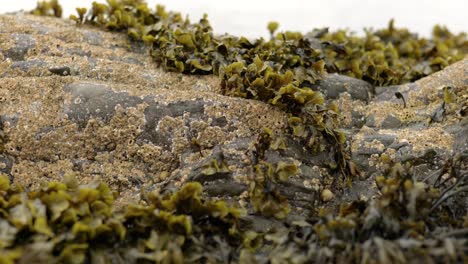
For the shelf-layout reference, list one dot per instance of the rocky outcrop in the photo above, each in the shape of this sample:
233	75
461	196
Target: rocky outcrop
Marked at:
90	103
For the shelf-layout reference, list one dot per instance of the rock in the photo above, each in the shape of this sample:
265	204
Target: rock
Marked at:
22	44
370	121
358	119
404	133
391	121
334	84
27	65
460	142
99	110
76	100
62	71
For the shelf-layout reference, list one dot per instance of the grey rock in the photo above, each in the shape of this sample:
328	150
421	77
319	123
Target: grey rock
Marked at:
362	162
93	37
391	121
358	119
385	139
220	121
11	119
460	143
261	224
220	189
91	100
28	65
438	114
23	42
404	152
334	84
398	145
6	163
128	60
77	51
387	93
370	121
62	71
426	157
156	111
130	147
363	150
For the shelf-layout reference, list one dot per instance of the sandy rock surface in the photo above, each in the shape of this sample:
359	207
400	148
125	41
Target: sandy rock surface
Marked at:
77	100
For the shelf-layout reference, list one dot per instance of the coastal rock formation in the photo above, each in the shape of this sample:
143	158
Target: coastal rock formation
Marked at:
77	100
88	117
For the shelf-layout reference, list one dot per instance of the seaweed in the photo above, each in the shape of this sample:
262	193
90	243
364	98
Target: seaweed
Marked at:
67	222
408	218
279	71
393	55
48	8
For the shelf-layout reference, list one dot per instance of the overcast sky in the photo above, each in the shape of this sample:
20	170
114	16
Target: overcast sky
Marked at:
250	17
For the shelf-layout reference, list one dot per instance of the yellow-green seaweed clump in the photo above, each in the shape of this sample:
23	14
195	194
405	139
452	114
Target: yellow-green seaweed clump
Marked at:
393	55
71	223
48	8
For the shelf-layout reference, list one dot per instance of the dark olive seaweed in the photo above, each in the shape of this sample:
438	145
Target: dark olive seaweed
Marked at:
407	220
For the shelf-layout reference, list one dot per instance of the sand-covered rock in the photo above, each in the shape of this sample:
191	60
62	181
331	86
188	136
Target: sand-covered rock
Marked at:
77	100
204	177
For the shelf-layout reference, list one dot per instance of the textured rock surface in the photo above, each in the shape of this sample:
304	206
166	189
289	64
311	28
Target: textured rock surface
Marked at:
86	102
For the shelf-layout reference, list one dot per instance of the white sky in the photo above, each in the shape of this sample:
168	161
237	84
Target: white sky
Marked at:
250	17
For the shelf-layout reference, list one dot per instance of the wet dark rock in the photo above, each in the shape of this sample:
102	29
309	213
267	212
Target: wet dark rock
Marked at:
220	121
23	43
334	84
221	188
62	71
261	224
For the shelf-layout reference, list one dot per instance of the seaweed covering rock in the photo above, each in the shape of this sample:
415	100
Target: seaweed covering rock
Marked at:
108	156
